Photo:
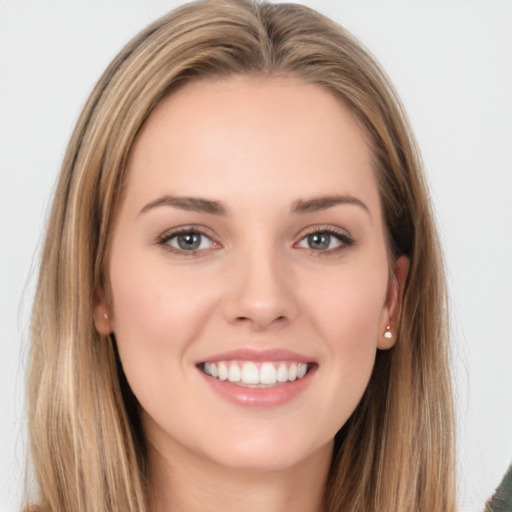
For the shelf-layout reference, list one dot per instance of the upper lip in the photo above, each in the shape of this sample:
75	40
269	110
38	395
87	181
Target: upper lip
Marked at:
248	354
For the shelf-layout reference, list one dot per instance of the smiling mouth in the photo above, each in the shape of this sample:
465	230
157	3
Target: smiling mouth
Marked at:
256	375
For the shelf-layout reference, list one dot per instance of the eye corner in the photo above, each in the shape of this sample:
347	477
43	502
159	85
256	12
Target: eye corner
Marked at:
188	241
325	240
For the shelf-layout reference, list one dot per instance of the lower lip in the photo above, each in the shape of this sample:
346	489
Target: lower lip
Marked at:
259	397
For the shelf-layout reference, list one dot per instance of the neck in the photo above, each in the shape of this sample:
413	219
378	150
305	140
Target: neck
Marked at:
186	482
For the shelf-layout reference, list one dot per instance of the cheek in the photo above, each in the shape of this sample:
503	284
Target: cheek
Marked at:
151	295
349	308
156	315
347	316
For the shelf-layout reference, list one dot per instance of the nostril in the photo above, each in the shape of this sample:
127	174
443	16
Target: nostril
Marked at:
261	322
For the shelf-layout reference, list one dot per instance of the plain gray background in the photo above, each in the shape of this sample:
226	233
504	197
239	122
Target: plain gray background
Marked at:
451	62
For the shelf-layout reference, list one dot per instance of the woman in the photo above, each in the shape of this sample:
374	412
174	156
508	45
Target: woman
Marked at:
242	299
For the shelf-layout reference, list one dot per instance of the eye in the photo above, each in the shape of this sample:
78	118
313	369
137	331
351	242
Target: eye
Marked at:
186	240
326	240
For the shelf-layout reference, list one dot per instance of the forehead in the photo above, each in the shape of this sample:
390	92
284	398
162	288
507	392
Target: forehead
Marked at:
260	133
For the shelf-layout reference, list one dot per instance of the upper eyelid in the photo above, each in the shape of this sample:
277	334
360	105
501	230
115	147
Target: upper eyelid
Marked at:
203	230
323	228
346	240
165	238
169	233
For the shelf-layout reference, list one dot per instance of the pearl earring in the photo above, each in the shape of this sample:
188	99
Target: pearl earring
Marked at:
388	335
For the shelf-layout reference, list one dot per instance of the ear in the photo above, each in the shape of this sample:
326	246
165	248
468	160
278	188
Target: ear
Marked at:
393	307
102	315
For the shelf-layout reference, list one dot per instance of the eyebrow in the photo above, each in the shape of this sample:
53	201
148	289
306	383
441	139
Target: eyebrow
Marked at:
197	204
322	203
194	204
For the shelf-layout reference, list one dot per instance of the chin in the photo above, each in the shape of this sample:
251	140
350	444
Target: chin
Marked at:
262	455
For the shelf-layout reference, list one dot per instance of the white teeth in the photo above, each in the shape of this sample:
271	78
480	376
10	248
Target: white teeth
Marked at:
248	373
223	371
214	371
282	373
268	374
234	373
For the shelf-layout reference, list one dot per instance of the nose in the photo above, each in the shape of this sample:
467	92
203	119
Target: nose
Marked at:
260	293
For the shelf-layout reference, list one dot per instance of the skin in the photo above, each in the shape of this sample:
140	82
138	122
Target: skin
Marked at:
259	147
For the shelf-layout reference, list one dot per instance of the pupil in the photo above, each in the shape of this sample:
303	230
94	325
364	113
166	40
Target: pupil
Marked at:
319	241
189	241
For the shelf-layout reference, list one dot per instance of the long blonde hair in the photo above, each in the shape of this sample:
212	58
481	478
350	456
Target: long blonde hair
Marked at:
396	452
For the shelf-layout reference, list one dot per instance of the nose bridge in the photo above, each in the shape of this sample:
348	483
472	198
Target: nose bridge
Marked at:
260	291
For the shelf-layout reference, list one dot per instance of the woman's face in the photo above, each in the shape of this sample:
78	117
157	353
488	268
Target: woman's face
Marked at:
249	272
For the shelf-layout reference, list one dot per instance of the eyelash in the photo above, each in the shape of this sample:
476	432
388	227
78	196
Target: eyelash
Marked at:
164	239
345	240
